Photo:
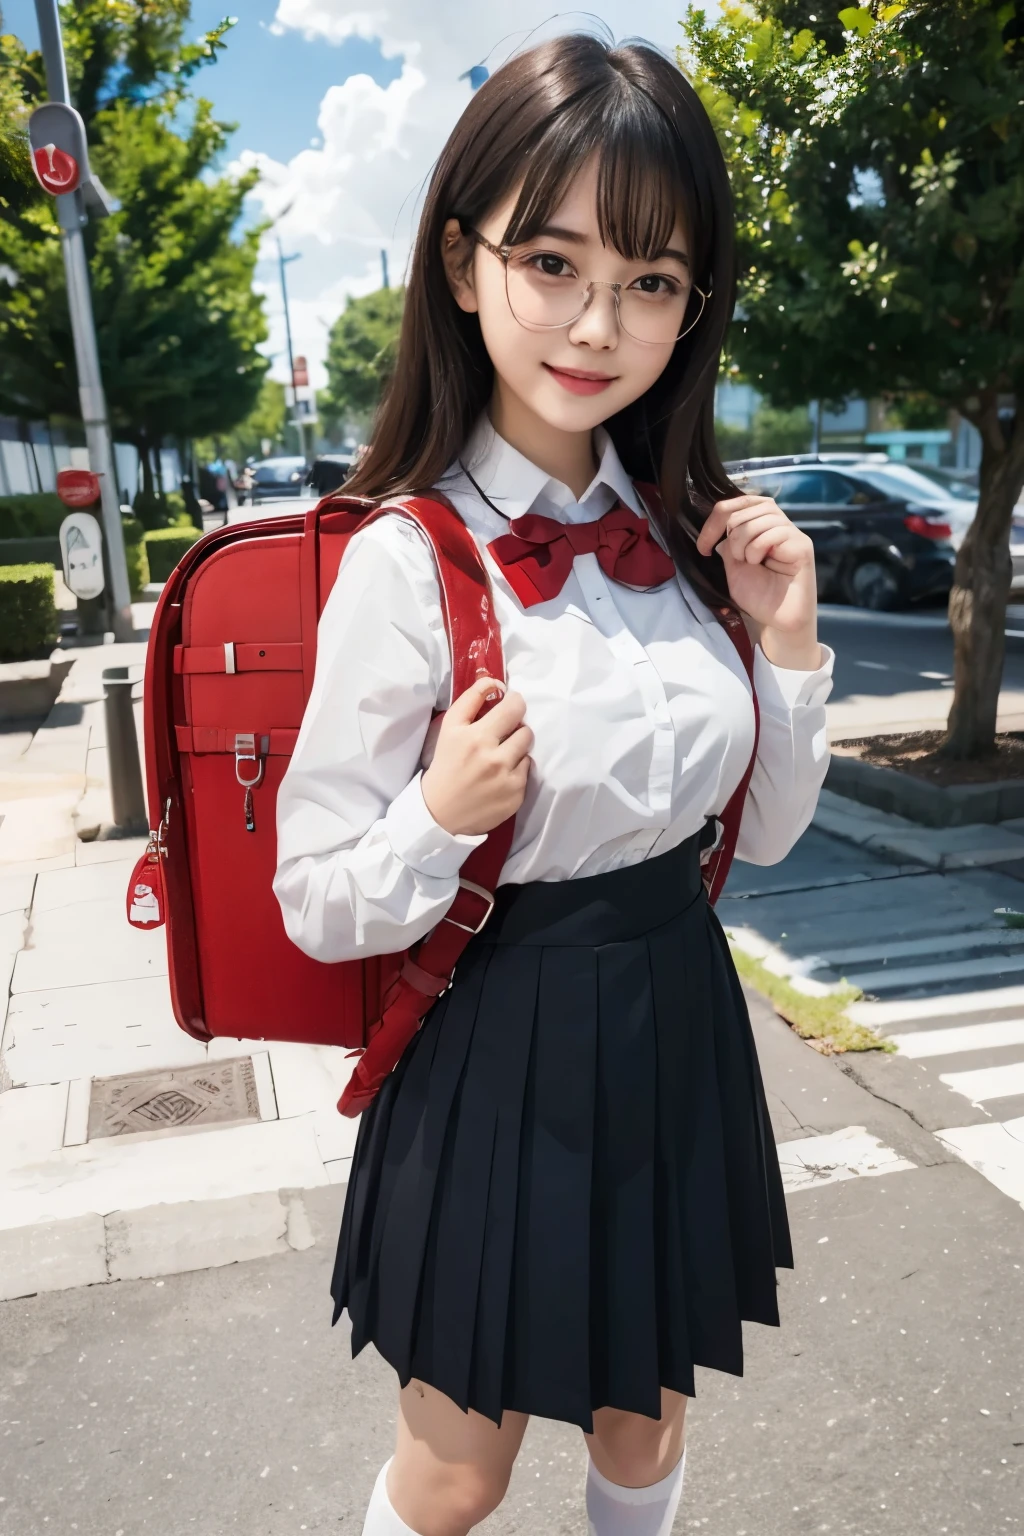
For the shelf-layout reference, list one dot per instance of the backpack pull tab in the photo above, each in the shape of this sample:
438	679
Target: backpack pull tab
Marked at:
147	893
245	752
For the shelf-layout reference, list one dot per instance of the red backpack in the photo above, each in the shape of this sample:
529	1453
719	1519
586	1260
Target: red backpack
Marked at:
228	672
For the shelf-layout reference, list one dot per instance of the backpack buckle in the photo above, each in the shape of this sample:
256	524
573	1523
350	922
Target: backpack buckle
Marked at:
478	890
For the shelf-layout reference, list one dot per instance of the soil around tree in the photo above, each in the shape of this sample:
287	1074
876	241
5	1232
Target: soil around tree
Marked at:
916	753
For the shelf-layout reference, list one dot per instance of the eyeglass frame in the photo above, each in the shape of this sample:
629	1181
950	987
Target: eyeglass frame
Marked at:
503	252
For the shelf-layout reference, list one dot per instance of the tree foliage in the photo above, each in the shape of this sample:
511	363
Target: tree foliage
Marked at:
361	354
177	320
877	160
265	423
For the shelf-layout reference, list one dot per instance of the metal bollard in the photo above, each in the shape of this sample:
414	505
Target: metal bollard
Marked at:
126	795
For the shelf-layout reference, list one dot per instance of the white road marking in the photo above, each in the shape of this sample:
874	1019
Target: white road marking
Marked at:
933	975
846	1154
984	1083
878	1015
942	943
995	1150
956	1039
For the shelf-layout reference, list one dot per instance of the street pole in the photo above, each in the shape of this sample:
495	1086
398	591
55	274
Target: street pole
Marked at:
83	329
283	261
815	410
384	269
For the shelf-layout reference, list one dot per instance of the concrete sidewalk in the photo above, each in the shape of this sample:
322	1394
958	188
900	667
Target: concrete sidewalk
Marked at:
101	1178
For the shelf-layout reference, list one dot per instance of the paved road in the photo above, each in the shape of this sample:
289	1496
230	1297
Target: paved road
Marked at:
889	1403
942	973
899	667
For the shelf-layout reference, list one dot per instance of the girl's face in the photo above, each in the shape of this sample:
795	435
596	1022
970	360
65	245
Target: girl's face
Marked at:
574	376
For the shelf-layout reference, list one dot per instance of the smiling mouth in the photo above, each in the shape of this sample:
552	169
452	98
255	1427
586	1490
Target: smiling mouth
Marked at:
580	381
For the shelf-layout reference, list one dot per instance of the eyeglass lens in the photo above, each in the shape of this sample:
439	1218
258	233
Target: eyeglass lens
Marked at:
544	292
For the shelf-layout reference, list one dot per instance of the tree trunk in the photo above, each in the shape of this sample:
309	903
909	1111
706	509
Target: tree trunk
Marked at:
981	587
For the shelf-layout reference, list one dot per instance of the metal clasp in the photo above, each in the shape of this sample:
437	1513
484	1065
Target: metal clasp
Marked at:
245	752
478	890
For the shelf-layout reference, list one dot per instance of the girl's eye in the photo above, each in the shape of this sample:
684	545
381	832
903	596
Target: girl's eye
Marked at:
547	264
655	285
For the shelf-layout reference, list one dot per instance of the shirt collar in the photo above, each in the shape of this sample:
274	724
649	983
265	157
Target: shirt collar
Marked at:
516	486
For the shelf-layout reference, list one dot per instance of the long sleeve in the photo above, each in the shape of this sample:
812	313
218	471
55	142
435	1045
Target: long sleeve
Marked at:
792	758
363	868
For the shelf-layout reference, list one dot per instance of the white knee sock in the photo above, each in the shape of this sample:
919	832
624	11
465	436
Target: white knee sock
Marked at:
381	1519
616	1511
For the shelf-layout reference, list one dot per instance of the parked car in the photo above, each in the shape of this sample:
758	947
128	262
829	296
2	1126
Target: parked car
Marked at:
880	539
284	476
274	506
329	472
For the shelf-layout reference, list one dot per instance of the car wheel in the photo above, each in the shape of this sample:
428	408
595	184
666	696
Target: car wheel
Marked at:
876	583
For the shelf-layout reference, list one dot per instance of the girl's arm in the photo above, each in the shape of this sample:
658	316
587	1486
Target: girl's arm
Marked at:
792	758
363	867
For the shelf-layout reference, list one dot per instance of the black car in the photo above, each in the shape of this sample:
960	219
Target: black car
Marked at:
875	544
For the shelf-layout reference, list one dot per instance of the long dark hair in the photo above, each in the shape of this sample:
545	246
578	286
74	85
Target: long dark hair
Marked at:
537	122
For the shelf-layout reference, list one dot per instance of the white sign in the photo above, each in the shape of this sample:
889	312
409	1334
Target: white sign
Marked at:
81	552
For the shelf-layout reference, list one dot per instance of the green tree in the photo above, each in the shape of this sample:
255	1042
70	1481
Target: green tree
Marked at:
877	160
177	319
361	354
265	423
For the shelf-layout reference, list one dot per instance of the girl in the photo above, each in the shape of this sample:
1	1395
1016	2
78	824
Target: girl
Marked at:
566	1195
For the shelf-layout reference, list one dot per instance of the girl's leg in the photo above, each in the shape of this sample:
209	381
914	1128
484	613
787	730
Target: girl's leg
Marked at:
635	1478
450	1469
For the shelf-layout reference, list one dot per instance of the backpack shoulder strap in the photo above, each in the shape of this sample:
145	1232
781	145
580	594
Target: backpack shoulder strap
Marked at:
476	651
716	869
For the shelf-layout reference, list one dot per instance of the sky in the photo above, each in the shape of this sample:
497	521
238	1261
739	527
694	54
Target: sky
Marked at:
343	109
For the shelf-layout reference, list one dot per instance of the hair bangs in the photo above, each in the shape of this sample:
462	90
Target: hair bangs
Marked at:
643	181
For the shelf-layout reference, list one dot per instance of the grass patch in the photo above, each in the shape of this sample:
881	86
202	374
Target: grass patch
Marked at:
820	1020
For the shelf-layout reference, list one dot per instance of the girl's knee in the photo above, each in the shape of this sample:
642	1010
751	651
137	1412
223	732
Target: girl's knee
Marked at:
634	1451
452	1498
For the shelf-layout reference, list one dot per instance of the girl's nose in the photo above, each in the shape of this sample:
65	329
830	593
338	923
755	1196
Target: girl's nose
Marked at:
598	325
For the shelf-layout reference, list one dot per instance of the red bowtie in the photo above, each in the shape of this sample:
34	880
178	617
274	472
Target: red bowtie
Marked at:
537	556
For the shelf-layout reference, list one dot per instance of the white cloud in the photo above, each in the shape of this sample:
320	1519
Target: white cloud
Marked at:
359	191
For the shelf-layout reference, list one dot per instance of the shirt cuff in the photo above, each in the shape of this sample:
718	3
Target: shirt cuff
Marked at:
783	690
419	842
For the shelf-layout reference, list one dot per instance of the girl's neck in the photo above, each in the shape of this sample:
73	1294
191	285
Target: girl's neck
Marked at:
566	456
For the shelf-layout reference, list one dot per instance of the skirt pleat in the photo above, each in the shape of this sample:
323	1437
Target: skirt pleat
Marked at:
566	1196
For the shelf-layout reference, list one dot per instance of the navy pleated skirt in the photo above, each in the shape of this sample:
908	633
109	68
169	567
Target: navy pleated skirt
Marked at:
567	1194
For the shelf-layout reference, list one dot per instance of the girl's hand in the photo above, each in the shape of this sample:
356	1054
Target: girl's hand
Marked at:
769	567
478	768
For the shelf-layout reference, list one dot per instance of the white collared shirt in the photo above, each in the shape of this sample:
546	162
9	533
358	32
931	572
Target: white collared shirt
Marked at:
640	707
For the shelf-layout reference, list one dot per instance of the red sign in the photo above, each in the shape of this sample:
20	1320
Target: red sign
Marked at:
78	487
300	373
56	170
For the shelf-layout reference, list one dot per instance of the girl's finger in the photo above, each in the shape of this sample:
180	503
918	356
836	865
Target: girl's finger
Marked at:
783	555
713	529
467	706
757	521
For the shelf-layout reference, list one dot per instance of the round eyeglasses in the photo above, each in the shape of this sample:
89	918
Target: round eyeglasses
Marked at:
546	294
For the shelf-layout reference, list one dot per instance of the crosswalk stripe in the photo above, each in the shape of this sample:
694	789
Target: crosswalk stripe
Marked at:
941	944
847	1154
878	1015
984	1083
936	975
995	1150
957	1038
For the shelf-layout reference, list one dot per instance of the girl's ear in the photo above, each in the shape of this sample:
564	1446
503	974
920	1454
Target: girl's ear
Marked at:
457	255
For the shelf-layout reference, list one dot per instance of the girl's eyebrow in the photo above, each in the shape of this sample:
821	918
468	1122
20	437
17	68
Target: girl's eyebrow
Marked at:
575	236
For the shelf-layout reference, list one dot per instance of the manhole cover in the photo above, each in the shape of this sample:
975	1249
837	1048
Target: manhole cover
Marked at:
170	1100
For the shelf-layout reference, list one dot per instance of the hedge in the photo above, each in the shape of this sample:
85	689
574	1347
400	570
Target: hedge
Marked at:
34	516
165	547
28	618
135	554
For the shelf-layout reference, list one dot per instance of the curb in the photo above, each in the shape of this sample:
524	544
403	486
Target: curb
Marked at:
153	1240
973	846
931	805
